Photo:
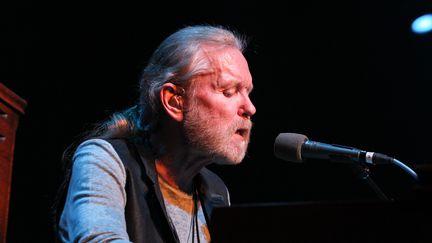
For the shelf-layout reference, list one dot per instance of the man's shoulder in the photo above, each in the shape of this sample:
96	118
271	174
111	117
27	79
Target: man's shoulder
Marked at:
94	147
123	149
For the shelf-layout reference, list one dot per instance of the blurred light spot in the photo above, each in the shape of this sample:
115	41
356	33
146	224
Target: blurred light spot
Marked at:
422	24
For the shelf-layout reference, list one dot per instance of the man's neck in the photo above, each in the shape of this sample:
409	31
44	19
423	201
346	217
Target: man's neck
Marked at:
180	172
177	163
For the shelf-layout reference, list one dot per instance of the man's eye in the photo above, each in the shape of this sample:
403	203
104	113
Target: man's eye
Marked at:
229	92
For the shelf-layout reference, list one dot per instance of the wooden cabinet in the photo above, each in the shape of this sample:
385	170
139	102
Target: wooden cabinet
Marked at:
11	107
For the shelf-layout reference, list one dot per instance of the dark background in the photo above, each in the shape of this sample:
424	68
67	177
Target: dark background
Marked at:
348	72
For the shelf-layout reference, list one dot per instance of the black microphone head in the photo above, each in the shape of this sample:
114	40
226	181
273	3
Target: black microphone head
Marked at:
288	146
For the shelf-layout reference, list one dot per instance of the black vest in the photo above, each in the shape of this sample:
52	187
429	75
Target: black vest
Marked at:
145	213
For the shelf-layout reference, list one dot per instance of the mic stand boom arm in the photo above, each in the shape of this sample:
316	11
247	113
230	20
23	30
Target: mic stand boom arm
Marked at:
362	172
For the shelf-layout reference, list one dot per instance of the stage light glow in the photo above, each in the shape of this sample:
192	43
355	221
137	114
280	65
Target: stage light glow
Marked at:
422	24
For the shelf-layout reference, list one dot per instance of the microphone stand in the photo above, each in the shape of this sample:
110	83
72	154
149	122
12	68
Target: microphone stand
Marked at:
363	173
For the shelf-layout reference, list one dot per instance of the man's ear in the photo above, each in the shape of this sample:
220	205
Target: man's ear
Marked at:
171	96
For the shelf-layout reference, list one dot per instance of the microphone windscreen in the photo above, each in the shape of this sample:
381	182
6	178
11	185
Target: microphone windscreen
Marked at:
288	146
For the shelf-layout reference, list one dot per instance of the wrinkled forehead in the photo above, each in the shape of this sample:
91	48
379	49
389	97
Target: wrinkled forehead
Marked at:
216	60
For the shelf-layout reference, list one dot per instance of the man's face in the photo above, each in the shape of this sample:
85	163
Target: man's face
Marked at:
217	120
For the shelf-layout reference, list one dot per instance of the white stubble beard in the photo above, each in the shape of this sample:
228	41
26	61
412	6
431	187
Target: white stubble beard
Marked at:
205	135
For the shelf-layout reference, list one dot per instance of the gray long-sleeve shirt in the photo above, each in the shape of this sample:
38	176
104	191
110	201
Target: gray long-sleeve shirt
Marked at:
94	208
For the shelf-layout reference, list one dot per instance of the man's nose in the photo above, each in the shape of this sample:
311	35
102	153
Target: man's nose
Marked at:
248	109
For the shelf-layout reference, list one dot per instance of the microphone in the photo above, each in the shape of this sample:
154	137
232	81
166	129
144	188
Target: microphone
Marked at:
297	148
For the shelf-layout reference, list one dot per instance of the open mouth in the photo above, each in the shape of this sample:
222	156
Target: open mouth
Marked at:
242	132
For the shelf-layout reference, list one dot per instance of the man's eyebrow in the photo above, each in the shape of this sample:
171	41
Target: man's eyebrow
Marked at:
234	83
248	88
